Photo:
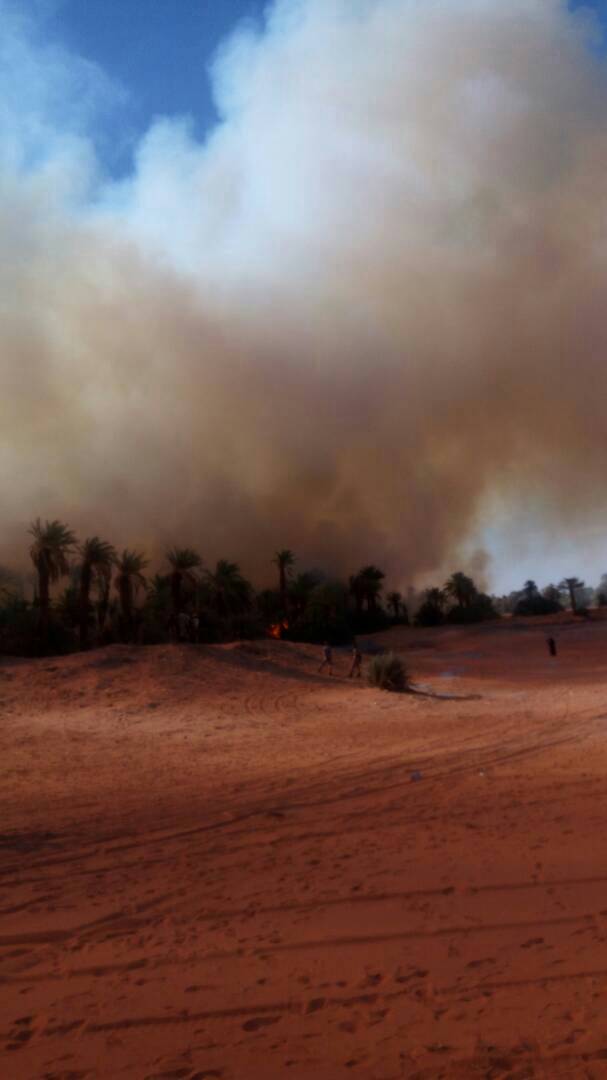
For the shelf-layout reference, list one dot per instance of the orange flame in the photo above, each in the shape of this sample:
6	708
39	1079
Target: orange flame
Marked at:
276	629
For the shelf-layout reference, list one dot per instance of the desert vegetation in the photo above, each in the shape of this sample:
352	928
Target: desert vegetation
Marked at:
458	601
388	672
84	593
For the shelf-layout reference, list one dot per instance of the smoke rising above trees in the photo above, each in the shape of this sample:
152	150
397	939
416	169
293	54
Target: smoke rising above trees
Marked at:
369	301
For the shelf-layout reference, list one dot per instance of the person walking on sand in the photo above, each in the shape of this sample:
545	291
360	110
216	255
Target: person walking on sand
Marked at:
551	643
357	661
328	658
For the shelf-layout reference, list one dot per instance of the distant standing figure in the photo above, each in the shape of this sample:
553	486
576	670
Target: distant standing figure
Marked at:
551	646
357	660
328	658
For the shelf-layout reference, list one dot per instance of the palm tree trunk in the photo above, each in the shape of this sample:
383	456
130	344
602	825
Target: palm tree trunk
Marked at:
573	600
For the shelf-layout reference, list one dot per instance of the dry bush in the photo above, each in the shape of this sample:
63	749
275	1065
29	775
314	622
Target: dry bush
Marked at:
388	672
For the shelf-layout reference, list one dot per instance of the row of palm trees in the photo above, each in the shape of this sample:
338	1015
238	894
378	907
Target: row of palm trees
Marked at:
530	601
99	563
459	600
96	565
459	588
365	587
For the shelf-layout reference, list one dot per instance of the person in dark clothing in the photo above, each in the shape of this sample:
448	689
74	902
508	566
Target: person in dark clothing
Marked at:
328	658
551	646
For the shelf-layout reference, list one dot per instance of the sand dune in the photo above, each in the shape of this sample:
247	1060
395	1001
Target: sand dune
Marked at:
216	863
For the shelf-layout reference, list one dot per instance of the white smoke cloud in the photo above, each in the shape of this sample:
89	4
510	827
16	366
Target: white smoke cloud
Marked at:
367	305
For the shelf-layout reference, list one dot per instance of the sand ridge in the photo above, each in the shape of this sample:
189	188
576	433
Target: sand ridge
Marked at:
216	863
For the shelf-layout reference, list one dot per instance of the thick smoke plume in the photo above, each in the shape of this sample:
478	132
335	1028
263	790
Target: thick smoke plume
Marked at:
371	301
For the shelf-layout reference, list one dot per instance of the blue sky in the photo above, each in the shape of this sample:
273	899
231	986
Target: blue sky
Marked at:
158	50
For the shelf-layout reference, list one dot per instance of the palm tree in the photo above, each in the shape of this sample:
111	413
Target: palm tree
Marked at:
103	582
370	581
129	580
572	584
430	612
530	590
67	603
230	591
394	601
461	588
436	597
159	592
552	593
53	541
98	558
300	590
284	560
183	563
327	605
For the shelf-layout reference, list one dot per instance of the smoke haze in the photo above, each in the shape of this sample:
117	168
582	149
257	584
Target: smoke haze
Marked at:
368	308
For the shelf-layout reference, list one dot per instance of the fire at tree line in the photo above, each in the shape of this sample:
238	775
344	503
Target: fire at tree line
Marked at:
87	593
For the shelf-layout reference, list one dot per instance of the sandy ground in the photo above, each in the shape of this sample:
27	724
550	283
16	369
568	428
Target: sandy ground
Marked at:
216	863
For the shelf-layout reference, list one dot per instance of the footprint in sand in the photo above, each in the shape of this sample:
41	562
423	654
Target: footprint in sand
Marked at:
20	1033
372	980
257	1022
377	1017
479	963
315	1004
348	1026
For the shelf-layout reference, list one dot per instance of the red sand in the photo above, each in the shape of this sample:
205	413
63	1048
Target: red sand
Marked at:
215	863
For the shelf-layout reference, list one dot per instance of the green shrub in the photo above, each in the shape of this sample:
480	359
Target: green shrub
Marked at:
537	605
388	673
480	608
429	614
